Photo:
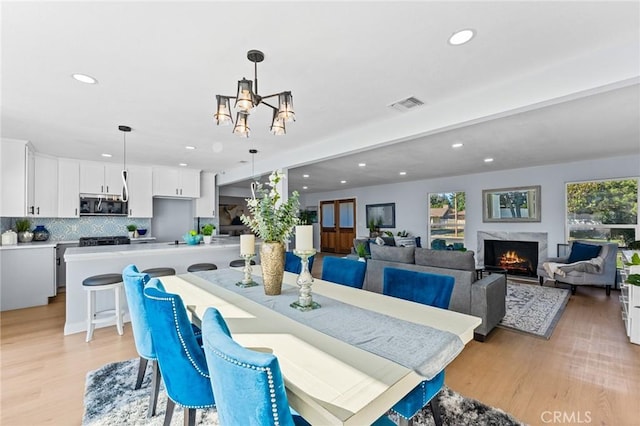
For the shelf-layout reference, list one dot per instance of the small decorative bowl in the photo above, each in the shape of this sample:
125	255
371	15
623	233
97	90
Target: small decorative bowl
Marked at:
192	240
142	232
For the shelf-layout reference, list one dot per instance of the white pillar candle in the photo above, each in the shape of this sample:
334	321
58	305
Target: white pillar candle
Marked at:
304	237
247	244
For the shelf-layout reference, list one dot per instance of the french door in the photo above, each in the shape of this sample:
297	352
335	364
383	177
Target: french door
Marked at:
338	225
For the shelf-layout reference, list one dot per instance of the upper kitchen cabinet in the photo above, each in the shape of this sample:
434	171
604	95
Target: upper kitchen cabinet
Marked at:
206	204
13	158
176	183
100	178
140	184
68	188
42	186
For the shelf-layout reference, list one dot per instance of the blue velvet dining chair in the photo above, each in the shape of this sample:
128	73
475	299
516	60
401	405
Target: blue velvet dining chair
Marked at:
293	264
428	289
180	357
343	271
248	384
134	282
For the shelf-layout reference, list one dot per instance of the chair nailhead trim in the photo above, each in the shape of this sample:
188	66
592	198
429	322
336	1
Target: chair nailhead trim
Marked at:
267	370
182	342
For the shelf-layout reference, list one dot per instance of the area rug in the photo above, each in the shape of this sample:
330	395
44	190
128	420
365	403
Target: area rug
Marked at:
534	309
111	400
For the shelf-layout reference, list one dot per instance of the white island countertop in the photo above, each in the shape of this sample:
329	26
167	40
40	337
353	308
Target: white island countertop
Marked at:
83	262
93	252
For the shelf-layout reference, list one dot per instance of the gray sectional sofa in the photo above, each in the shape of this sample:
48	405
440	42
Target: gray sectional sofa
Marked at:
484	298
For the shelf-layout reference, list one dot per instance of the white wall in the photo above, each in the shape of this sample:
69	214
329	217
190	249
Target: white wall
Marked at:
411	198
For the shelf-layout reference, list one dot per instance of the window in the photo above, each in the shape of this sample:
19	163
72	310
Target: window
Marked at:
603	210
446	218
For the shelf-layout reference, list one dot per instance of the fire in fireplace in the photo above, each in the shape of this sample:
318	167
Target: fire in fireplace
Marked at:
517	257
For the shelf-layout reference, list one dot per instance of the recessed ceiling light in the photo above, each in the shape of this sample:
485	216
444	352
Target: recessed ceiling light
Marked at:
362	164
190	147
488	160
183	164
402	173
461	37
457	145
305	176
343	181
305	187
85	78
106	155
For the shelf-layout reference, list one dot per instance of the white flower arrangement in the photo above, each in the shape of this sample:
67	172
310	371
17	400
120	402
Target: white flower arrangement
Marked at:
271	219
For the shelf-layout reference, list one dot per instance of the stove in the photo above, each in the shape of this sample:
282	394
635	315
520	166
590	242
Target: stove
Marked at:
103	241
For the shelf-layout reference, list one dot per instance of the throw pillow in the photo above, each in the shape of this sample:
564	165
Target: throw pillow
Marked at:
581	251
379	241
405	241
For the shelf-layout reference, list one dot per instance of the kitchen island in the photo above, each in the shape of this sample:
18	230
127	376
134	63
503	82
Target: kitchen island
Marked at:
83	262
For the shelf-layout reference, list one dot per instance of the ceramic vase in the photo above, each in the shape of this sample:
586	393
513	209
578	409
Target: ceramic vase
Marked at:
206	239
25	237
272	263
40	233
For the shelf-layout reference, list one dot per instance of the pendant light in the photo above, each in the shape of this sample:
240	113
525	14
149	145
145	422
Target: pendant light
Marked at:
125	187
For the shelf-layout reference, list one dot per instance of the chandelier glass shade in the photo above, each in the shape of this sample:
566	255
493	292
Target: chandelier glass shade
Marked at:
247	99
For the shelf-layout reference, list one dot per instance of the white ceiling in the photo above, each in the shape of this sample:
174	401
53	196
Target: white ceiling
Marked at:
542	82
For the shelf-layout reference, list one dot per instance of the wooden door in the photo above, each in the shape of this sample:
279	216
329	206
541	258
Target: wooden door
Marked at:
338	225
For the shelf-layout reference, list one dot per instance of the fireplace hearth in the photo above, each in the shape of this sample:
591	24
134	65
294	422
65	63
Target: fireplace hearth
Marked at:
517	257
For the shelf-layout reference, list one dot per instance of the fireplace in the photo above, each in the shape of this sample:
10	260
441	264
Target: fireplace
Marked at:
517	257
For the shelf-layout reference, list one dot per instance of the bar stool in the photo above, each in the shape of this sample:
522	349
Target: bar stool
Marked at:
159	272
97	283
239	263
202	267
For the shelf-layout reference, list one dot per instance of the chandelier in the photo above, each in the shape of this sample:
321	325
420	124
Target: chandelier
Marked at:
248	98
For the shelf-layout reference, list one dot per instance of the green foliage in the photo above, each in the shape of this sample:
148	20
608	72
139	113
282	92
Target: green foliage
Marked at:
361	250
193	232
132	227
635	259
271	219
633	279
372	225
606	202
455	200
388	233
208	229
403	233
23	225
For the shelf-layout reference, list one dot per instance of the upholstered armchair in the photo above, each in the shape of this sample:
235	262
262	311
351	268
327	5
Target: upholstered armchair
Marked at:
343	271
180	357
588	263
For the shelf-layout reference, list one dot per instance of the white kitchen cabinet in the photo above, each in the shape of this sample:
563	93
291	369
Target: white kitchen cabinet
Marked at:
68	188
13	159
140	183
28	275
176	183
206	204
42	184
100	178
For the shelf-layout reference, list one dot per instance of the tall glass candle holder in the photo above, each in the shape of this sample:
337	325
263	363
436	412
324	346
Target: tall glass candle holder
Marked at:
247	281
305	301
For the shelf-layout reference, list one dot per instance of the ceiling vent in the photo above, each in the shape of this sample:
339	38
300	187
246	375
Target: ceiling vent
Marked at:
406	104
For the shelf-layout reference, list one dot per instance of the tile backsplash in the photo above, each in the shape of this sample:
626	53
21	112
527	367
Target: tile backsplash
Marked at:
70	229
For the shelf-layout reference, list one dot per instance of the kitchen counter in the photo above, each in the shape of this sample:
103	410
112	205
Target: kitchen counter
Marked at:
83	262
33	244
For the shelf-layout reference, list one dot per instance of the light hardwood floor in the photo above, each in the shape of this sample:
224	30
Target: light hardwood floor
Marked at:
587	373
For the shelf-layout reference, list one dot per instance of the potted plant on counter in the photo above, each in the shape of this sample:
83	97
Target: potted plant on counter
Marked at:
207	232
23	228
132	230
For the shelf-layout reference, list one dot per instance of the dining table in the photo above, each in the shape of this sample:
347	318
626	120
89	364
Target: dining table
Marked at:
345	363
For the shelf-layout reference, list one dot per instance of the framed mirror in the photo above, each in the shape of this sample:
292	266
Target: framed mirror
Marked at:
519	204
383	215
